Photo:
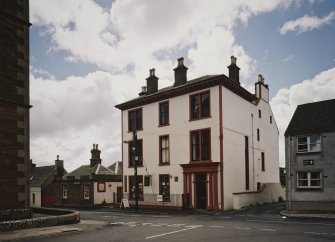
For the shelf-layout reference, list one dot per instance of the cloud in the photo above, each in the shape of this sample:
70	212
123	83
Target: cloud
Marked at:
306	23
288	58
69	115
321	87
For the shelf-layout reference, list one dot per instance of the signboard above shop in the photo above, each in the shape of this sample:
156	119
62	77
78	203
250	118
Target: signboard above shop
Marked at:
308	162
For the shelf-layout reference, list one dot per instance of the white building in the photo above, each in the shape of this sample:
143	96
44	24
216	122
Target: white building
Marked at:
200	141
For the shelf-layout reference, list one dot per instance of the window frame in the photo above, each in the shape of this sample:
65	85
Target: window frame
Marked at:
64	191
86	192
140	188
258	134
160	123
136	123
166	197
167	149
200	148
309	180
200	108
130	144
308	144
263	161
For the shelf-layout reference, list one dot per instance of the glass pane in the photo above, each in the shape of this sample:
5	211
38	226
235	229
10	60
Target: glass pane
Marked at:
132	120
194	107
315	175
303	183
195	146
315	183
139	119
302	140
205	148
302	175
314	147
302	148
314	139
205	104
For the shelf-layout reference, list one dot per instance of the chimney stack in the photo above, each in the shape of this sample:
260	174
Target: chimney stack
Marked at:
95	156
152	82
144	91
261	89
234	70
60	167
180	73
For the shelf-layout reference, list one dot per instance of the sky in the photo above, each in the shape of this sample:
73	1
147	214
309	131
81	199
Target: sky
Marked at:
86	56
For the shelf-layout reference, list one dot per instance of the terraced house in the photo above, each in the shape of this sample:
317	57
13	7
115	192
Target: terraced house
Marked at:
310	157
201	142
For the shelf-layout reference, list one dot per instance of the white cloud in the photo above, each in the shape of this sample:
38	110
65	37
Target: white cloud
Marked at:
125	42
284	103
288	58
306	23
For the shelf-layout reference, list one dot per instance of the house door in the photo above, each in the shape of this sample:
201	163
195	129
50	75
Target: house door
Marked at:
119	194
201	190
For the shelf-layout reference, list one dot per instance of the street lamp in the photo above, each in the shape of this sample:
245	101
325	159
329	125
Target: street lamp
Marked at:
135	162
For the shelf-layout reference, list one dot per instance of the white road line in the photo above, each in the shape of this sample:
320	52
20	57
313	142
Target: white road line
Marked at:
176	225
143	224
194	226
286	222
156	225
270	230
225	217
311	233
215	226
242	228
173	232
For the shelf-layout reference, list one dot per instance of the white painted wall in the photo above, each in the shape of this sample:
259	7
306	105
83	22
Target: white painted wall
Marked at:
38	196
237	123
111	188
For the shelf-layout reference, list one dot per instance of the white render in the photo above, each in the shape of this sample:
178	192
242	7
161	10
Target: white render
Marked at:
109	196
236	117
38	196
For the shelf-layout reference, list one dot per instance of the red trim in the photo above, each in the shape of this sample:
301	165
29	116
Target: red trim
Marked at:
98	187
200	147
216	191
135	110
221	148
160	149
159	114
190	187
200	105
210	186
195	191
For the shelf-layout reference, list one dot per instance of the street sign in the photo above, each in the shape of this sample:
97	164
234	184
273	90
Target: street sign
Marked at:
308	162
125	203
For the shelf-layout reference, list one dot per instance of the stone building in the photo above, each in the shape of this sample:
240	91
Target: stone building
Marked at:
14	104
310	157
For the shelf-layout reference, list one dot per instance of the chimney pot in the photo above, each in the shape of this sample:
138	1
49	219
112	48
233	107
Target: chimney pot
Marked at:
234	70
180	73
152	82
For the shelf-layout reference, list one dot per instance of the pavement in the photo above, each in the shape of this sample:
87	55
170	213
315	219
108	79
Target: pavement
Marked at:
93	225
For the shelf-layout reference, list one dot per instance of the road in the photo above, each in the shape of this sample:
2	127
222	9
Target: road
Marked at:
256	224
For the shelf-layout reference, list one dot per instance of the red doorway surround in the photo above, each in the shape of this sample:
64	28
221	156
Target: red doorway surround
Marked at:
211	171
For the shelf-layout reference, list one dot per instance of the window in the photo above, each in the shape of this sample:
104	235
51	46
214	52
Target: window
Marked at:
64	191
101	186
200	145
258	135
86	191
164	113
164	187
263	161
259	113
125	184
33	198
135	120
309	144
309	179
200	106
139	153
270	119
132	187
164	150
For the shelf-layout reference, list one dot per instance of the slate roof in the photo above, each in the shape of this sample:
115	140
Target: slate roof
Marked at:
116	168
191	86
39	175
317	117
87	170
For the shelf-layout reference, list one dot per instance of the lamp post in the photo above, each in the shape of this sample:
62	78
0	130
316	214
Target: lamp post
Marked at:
135	162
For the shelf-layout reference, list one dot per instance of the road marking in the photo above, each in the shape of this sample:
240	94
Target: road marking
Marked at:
225	217
286	222
173	232
270	230
155	225
194	226
242	228
311	233
175	225
215	226
143	224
